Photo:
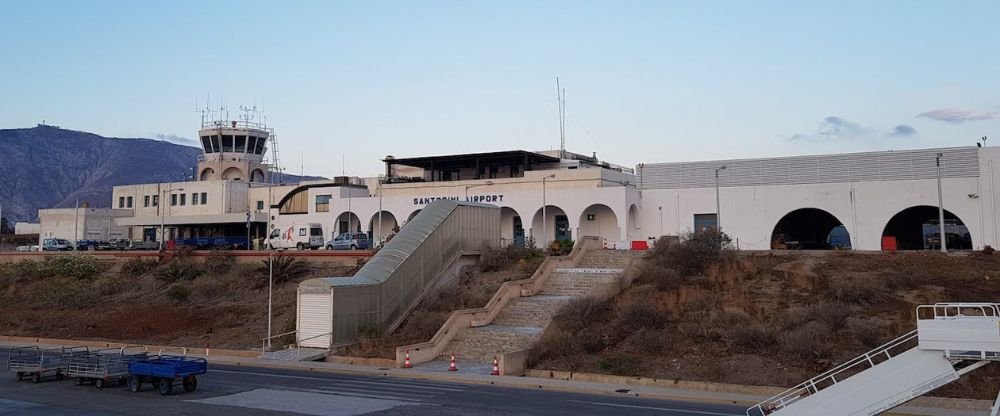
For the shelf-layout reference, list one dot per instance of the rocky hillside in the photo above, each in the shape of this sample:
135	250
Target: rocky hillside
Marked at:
50	167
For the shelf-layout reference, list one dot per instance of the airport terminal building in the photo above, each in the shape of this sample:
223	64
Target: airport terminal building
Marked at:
865	201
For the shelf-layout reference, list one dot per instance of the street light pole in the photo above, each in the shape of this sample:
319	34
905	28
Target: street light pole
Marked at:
488	183
944	244
163	200
718	205
544	216
379	210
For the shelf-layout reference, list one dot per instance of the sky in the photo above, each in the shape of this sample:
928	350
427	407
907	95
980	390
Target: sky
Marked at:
656	81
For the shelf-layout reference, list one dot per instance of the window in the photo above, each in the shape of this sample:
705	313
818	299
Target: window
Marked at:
128	202
704	222
204	198
194	198
216	147
296	203
302	232
322	203
156	200
316	232
145	201
260	205
206	144
183	199
173	200
121	202
227	143
275	233
241	144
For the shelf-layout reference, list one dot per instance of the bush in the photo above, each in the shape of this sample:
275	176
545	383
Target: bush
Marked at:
219	262
580	312
649	341
857	291
642	314
286	268
694	254
753	338
621	364
178	270
137	266
75	266
178	293
561	247
870	334
810	341
497	259
67	293
832	314
660	275
794	317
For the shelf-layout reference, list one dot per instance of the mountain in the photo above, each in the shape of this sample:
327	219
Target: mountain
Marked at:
50	167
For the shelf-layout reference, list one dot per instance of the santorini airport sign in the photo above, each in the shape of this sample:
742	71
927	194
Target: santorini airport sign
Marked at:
488	199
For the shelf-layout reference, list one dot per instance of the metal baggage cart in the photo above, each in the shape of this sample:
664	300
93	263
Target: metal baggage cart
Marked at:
103	366
163	371
36	362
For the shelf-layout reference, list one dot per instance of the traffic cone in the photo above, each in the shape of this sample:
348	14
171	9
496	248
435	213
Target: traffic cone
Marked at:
452	367
406	364
496	367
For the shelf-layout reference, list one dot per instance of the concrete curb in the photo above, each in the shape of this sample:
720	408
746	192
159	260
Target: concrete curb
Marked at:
596	384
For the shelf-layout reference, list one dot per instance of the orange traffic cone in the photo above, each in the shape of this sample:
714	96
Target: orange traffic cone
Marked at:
496	367
452	367
406	364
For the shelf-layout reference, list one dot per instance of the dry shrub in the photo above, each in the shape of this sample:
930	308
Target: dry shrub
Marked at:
178	293
832	314
137	266
498	259
868	333
660	275
793	317
621	364
695	252
809	341
857	291
179	270
580	313
642	314
219	262
650	341
285	268
752	338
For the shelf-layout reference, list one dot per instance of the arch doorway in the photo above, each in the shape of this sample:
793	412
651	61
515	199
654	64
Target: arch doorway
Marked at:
557	224
600	221
916	228
810	229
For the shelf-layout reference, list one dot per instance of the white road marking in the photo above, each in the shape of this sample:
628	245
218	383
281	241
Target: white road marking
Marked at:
661	409
334	380
317	404
370	395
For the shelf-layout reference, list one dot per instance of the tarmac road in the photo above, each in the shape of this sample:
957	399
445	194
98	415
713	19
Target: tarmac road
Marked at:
243	390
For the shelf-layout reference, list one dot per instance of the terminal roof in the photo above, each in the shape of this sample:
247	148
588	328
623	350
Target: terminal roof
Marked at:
509	157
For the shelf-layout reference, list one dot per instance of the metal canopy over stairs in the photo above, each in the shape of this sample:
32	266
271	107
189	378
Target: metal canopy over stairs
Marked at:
951	340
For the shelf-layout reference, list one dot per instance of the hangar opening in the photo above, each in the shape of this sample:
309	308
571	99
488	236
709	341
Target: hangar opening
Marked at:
810	229
916	228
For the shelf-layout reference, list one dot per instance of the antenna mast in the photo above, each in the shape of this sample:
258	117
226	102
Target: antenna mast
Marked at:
561	99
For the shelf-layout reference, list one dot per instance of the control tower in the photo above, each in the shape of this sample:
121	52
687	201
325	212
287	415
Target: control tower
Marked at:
234	150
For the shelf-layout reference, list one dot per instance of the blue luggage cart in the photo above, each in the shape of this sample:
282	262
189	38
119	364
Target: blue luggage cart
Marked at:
164	371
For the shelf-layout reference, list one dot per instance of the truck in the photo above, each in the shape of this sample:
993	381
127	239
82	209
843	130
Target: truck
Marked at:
56	244
300	236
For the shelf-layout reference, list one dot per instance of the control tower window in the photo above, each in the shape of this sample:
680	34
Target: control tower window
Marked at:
215	144
227	143
251	143
206	143
241	144
260	145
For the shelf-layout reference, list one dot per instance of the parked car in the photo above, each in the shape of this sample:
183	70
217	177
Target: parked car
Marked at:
349	241
56	244
25	248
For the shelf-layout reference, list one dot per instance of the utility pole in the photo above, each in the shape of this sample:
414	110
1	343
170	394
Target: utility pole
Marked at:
944	243
544	216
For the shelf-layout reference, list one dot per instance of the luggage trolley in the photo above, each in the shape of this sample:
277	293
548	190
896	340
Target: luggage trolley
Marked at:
163	371
36	362
103	366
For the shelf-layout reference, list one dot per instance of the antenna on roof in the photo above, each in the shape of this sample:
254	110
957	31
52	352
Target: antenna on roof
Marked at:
561	99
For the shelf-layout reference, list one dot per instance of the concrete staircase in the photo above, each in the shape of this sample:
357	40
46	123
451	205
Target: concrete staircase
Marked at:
521	322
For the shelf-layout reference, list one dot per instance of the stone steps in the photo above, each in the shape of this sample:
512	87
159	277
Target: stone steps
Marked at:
534	311
482	344
605	258
576	284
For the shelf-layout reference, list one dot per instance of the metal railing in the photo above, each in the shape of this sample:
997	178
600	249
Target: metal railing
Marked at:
830	378
958	311
298	343
265	344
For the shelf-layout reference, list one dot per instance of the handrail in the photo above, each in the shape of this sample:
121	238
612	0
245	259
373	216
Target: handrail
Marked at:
815	384
944	310
263	341
496	302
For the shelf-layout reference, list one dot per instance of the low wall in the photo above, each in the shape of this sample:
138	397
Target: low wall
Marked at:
206	351
427	351
340	258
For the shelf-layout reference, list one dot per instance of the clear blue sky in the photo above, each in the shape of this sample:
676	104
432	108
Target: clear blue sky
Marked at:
646	81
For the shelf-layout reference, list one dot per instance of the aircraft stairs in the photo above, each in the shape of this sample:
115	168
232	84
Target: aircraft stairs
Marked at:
951	340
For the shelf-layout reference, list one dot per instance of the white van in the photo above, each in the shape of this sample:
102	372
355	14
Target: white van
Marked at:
299	236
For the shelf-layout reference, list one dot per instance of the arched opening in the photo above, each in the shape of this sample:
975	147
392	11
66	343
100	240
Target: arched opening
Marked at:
632	224
511	227
412	215
916	228
600	221
257	176
810	229
347	222
556	226
382	226
207	174
232	174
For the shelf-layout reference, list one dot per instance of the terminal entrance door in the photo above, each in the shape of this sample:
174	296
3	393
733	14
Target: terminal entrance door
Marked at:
562	228
518	232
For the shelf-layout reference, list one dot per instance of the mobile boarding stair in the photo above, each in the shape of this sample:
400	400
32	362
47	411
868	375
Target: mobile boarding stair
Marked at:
951	340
